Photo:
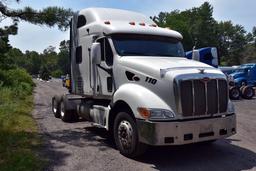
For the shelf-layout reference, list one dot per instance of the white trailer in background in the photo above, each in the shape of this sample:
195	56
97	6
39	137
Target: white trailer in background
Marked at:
131	77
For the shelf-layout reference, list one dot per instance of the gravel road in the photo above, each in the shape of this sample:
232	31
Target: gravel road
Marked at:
79	146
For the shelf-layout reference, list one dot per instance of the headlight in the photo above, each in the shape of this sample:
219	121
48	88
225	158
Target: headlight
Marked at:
156	114
231	108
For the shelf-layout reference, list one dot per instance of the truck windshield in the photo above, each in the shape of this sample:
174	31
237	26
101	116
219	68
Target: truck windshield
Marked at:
242	69
147	45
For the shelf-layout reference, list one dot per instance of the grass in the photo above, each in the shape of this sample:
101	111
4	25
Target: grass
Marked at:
19	139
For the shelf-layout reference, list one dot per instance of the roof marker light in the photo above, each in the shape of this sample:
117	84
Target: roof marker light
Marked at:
153	25
142	24
132	23
107	22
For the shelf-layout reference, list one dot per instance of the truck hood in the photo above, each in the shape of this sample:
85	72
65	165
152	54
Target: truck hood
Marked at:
237	74
154	65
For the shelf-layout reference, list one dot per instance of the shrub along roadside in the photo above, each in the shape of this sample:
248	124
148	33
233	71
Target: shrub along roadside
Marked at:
19	139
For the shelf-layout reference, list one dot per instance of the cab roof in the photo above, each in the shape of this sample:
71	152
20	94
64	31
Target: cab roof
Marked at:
111	21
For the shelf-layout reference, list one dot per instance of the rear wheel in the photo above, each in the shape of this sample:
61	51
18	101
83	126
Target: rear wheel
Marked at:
234	93
65	114
126	136
248	92
56	106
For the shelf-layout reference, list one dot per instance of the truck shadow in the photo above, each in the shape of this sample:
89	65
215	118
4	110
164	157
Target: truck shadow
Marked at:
221	155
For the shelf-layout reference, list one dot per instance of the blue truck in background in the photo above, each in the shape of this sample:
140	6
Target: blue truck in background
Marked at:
207	55
243	81
245	75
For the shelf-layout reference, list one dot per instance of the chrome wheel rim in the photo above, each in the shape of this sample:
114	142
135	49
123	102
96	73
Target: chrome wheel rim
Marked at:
125	134
62	110
235	93
249	92
54	106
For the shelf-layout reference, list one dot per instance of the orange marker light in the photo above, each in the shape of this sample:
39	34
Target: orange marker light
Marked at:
153	25
144	112
132	23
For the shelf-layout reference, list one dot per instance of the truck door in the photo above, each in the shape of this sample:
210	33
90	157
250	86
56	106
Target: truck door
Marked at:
85	64
104	70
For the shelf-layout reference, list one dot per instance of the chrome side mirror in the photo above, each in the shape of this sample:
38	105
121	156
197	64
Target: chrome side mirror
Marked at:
196	55
96	53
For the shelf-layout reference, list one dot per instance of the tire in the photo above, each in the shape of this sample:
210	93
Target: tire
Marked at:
56	106
248	92
234	93
65	114
126	136
241	90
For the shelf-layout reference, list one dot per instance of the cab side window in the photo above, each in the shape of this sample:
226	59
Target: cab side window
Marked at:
81	21
106	51
79	55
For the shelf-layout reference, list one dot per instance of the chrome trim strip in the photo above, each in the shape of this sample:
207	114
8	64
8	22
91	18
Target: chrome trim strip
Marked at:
193	94
218	95
177	94
206	97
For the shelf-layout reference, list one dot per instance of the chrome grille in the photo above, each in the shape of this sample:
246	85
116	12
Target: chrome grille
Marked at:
199	97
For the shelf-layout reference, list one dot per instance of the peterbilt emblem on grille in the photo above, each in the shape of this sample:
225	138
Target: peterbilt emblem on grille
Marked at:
205	79
201	71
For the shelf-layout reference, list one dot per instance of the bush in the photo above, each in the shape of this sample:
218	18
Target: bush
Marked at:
5	95
17	76
57	73
18	80
22	90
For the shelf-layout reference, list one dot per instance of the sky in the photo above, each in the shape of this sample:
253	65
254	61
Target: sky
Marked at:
37	38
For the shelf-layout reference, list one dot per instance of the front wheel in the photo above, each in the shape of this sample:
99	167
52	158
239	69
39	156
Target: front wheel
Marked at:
126	136
234	93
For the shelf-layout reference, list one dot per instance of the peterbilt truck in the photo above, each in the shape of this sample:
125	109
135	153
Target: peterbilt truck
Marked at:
132	78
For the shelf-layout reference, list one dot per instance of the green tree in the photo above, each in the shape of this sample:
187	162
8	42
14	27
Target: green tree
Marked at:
33	62
200	29
50	16
17	57
63	57
5	61
50	58
197	25
232	40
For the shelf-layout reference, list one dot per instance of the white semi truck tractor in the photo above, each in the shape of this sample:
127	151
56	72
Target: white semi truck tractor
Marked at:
131	77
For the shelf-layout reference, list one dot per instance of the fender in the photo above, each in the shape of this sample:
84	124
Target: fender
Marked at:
239	80
138	96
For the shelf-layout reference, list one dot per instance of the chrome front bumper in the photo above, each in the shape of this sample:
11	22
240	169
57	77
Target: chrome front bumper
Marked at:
186	132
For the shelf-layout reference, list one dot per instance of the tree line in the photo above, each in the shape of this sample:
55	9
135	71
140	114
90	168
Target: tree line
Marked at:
48	63
197	25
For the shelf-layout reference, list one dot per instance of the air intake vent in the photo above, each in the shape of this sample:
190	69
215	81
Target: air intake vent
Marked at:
129	75
80	85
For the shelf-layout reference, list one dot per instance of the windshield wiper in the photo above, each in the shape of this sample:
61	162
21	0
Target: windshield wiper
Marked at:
132	54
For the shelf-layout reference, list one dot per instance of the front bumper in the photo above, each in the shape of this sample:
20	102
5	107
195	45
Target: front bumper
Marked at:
186	132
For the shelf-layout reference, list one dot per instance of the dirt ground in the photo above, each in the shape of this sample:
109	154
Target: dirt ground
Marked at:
79	146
